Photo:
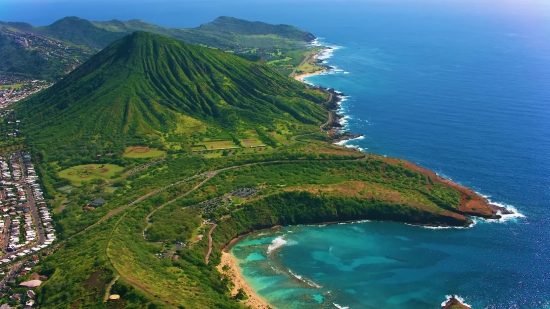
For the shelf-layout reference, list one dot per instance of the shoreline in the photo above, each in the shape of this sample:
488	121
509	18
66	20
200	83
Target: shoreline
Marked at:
234	273
301	77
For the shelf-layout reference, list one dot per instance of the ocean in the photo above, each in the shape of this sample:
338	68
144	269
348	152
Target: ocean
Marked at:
459	87
465	94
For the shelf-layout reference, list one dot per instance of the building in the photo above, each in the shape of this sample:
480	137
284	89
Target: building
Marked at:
98	202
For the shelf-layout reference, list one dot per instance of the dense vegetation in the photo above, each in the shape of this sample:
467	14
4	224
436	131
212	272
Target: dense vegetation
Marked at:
147	88
307	191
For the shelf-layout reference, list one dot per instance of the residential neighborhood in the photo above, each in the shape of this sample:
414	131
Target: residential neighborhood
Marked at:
48	48
26	229
13	88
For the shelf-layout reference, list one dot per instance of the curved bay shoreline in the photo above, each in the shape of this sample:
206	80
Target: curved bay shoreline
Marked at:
472	204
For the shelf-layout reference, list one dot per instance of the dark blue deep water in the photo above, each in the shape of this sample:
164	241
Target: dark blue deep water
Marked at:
460	87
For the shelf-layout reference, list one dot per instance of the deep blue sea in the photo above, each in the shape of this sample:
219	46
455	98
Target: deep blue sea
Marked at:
460	87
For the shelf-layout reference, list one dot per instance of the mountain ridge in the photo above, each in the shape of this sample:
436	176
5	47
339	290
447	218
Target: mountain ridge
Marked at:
252	40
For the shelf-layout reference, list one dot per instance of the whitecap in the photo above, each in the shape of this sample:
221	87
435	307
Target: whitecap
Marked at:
354	222
513	216
315	42
329	52
474	222
309	282
276	243
460	299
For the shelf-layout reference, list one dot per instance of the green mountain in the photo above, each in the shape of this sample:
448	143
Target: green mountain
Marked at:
153	88
239	26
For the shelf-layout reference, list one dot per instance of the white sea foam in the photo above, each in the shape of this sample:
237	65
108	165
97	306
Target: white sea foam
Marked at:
340	307
328	53
515	214
347	142
447	227
354	222
315	42
309	282
276	243
460	299
344	120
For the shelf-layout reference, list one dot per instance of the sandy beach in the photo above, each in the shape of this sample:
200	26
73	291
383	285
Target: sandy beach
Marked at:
234	274
302	76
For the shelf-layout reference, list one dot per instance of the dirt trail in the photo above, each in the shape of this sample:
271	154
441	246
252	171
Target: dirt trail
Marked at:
207	257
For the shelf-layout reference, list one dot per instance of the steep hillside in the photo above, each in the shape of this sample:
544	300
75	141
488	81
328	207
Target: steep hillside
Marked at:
79	31
244	27
147	85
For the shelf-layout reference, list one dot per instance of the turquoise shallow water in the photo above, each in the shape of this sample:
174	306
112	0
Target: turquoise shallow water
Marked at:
391	265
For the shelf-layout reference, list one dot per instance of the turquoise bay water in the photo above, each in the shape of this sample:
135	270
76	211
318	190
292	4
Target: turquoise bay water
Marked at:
391	265
460	87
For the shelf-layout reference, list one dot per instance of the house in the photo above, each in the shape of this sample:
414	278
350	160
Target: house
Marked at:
98	202
15	297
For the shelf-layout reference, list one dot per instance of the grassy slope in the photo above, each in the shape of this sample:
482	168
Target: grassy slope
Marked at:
143	84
